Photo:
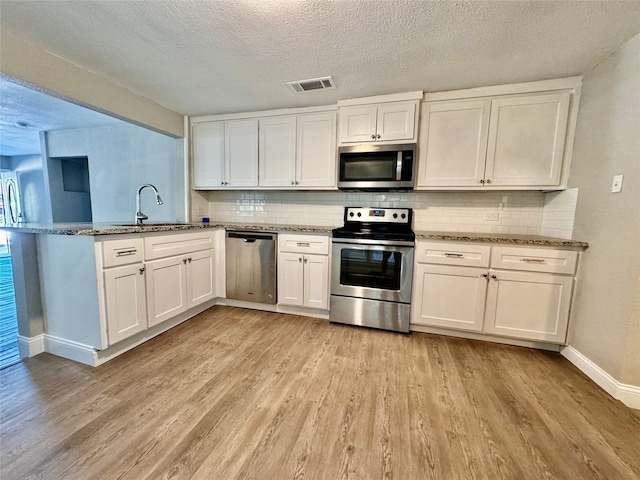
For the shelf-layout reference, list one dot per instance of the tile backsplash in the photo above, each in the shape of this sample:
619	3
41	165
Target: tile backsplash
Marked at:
523	212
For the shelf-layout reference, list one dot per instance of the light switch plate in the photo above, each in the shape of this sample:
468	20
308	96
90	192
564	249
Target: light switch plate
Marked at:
616	186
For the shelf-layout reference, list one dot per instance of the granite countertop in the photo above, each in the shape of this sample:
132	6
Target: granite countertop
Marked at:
501	238
96	229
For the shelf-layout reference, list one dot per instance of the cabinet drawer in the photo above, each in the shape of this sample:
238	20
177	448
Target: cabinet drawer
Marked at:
303	243
178	244
122	251
452	253
534	259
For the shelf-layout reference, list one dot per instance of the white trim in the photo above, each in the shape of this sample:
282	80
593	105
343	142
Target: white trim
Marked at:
263	113
627	394
30	346
393	97
552	347
72	350
568	83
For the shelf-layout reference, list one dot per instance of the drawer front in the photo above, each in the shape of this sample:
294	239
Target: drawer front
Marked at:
303	243
453	253
534	259
122	251
178	244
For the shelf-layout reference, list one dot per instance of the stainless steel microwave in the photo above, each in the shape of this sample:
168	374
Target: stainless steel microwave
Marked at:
376	167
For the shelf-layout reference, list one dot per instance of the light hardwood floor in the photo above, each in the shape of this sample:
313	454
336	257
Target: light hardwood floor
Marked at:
243	394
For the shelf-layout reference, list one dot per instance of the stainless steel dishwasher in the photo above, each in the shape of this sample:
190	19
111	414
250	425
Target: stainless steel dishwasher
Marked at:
251	266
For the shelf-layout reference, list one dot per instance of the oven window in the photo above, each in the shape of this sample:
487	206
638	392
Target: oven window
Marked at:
370	268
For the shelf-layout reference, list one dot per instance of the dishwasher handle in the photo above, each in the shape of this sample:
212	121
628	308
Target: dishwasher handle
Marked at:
251	237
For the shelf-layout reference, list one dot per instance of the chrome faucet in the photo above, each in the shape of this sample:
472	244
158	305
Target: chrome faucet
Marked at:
139	215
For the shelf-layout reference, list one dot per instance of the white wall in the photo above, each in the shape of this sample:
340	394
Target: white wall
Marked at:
607	311
121	159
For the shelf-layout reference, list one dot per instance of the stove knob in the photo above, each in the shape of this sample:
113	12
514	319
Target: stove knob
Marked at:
351	214
395	215
403	216
359	214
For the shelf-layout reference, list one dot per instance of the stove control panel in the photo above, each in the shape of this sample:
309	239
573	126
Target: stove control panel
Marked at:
382	215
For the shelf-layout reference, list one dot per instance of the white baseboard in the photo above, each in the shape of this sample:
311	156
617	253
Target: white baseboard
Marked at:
627	394
71	350
30	346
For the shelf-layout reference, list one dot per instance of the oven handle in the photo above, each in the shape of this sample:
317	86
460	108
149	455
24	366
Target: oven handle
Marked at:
384	243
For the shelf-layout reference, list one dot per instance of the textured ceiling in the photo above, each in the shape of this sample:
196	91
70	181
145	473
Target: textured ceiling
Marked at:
41	112
206	57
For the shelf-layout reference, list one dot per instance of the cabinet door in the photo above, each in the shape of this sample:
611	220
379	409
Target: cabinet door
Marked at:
126	302
201	284
277	149
241	153
208	154
396	121
316	281
451	297
316	150
166	289
453	143
358	124
533	306
526	140
290	279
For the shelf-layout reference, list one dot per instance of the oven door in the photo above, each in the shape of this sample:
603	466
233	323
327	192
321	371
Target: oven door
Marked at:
376	272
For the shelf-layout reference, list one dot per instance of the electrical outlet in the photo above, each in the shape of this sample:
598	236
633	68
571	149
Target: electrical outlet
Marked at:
616	186
492	217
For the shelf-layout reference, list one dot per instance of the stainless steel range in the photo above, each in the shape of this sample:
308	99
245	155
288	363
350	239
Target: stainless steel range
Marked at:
372	268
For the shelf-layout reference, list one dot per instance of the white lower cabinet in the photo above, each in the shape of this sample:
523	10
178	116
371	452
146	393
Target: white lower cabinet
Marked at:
451	297
533	306
125	300
303	271
517	292
166	288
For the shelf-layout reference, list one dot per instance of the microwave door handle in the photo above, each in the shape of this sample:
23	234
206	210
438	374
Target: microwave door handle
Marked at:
399	166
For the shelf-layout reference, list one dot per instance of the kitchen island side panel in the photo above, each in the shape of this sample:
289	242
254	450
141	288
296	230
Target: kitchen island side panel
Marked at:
69	286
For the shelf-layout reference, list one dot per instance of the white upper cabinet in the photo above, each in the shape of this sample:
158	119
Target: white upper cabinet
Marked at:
504	137
526	140
225	154
298	151
277	147
385	122
208	154
241	153
316	150
453	143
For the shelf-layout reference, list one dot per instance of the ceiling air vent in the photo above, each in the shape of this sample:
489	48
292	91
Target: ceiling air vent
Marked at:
311	84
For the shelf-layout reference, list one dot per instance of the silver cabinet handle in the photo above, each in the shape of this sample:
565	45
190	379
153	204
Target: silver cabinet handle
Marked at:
184	260
305	259
123	253
303	244
292	182
494	277
141	270
454	255
378	136
221	183
373	137
297	182
488	180
299	259
482	182
189	259
533	260
485	275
